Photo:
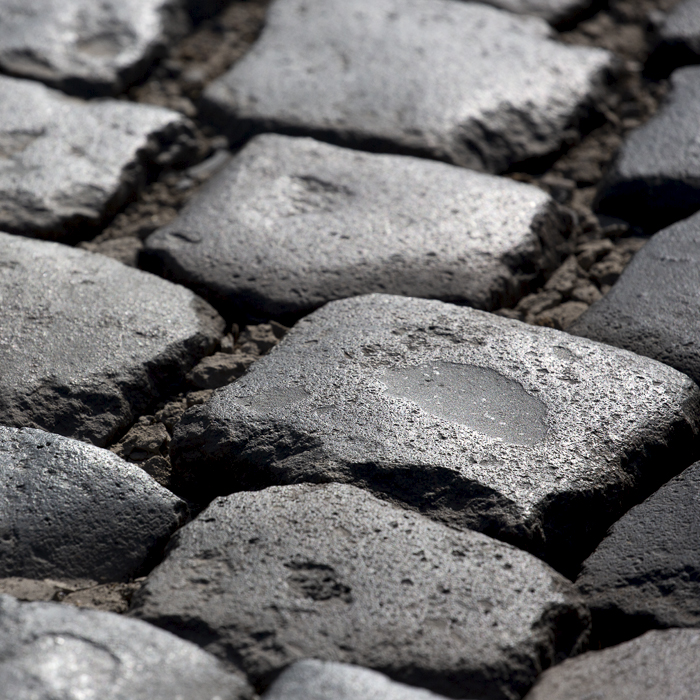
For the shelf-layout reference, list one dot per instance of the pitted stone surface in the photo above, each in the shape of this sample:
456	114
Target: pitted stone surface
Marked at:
320	680
554	11
655	179
646	572
66	164
457	81
522	432
50	651
654	308
267	578
72	510
86	342
293	223
660	664
86	47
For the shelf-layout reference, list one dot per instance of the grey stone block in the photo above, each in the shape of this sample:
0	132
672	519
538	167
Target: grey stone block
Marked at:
66	165
50	651
646	572
653	309
679	36
88	343
263	579
85	47
293	223
457	81
554	11
77	511
525	433
660	664
320	680
655	179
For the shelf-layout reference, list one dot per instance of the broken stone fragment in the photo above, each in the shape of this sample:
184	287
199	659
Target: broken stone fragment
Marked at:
526	433
67	165
456	81
88	343
52	651
333	573
77	511
293	223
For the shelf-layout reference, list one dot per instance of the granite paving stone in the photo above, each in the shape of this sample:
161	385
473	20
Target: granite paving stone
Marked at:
457	81
87	344
50	651
657	664
86	47
263	579
554	11
68	509
311	679
653	308
646	572
525	433
292	223
66	165
655	179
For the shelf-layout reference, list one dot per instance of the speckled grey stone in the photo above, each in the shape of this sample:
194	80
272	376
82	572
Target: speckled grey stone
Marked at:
86	47
72	510
86	342
679	36
263	579
646	572
654	308
554	11
655	179
311	679
457	81
293	223
522	432
65	165
50	651
660	664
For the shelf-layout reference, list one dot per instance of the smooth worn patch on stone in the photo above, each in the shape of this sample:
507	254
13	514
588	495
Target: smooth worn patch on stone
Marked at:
660	664
266	578
568	430
655	179
293	223
72	510
646	572
66	165
50	651
654	308
88	343
456	81
86	47
321	680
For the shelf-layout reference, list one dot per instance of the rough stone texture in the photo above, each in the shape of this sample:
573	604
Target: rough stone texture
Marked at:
655	179
87	343
293	223
457	81
654	308
320	680
85	47
525	433
679	35
50	651
646	572
263	579
661	664
66	165
554	11
72	510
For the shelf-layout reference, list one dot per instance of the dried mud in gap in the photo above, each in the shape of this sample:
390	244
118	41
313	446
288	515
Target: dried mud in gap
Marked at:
599	248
